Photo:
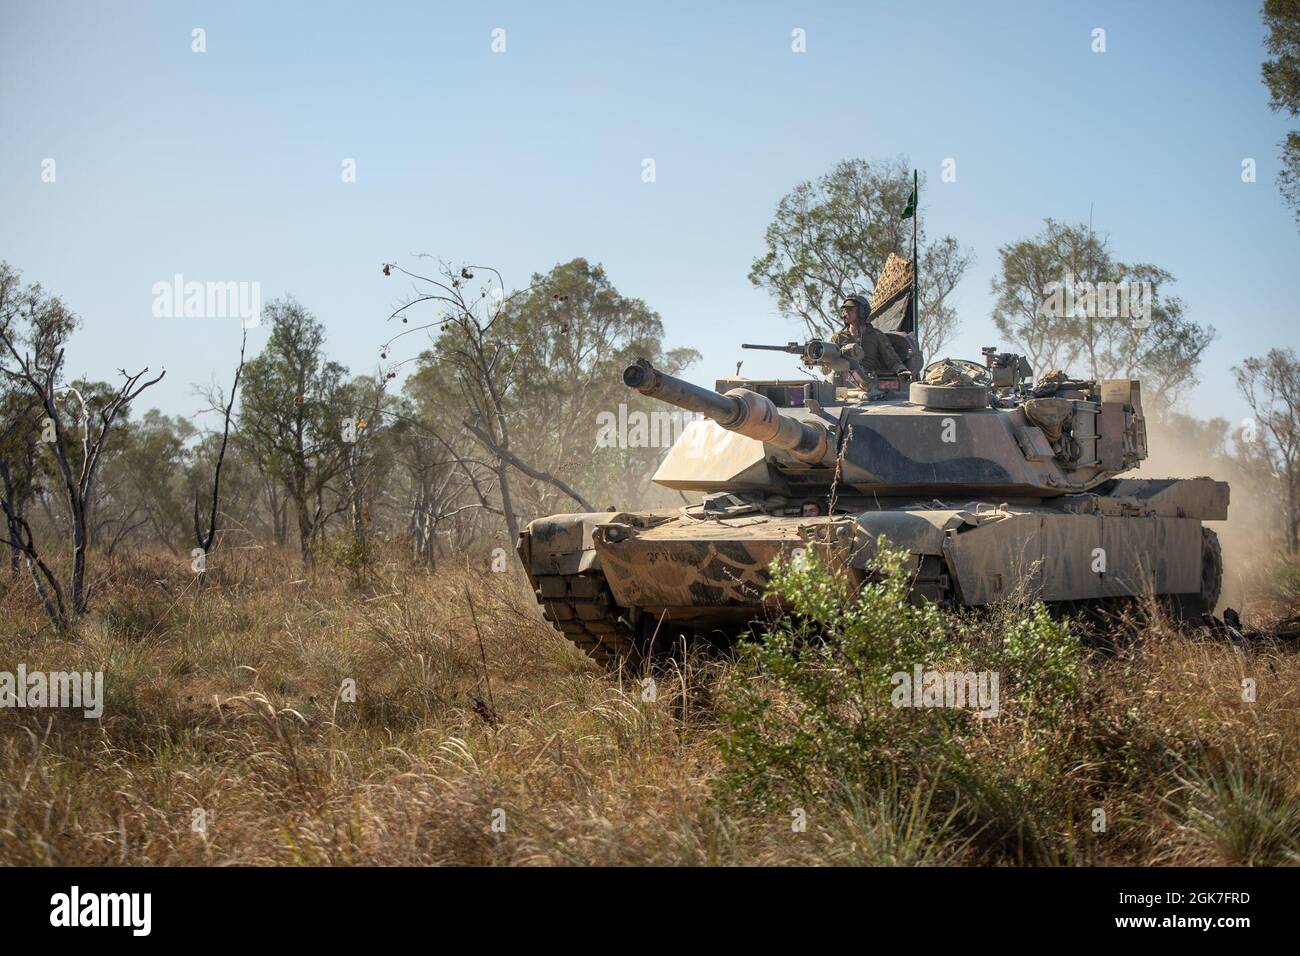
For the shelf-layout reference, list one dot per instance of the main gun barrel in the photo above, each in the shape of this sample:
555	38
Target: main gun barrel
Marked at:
741	410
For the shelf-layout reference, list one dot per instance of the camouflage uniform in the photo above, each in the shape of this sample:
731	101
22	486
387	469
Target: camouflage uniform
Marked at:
878	352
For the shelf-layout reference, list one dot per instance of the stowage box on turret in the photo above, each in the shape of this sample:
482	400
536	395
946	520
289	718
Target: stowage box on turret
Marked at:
996	487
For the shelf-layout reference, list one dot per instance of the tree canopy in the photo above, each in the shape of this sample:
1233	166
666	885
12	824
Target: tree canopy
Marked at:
1282	77
830	237
1065	301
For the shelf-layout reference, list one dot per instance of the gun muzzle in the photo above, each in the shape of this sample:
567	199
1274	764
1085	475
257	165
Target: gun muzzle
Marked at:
741	410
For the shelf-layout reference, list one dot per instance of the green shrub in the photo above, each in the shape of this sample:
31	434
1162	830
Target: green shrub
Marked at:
352	554
1043	657
812	706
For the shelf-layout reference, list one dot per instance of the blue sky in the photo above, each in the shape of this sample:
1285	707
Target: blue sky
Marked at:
225	165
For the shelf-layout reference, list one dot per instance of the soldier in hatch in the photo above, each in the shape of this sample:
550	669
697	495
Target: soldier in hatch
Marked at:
878	353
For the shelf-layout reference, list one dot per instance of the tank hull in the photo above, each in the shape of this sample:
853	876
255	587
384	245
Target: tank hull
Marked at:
1144	538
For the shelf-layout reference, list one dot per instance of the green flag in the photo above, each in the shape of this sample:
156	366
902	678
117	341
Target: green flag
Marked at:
910	210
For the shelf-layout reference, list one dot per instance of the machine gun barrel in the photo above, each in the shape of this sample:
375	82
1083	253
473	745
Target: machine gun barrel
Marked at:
741	410
828	355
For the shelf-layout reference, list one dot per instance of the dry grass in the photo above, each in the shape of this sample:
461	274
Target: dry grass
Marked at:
227	700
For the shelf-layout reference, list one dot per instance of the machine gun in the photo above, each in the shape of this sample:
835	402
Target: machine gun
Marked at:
842	361
829	357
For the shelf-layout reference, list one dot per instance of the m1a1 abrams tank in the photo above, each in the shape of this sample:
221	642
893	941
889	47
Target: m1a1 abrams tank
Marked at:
995	487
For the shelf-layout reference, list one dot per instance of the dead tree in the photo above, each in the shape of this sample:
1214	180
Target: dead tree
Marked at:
480	362
204	539
64	604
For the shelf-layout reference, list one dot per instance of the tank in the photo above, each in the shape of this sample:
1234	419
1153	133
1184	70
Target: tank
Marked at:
996	487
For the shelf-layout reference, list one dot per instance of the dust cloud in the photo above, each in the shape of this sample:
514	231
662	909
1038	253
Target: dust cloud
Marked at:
1181	449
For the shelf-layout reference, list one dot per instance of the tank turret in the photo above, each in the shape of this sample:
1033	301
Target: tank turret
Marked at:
965	429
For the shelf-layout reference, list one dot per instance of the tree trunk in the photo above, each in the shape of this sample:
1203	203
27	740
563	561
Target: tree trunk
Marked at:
79	544
1292	518
304	531
12	523
507	503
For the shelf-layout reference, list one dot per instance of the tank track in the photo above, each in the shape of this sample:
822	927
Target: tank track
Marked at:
582	607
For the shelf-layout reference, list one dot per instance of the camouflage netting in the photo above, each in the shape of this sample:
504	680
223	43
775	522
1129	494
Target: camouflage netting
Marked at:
894	278
1055	380
946	373
1049	414
1055	416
